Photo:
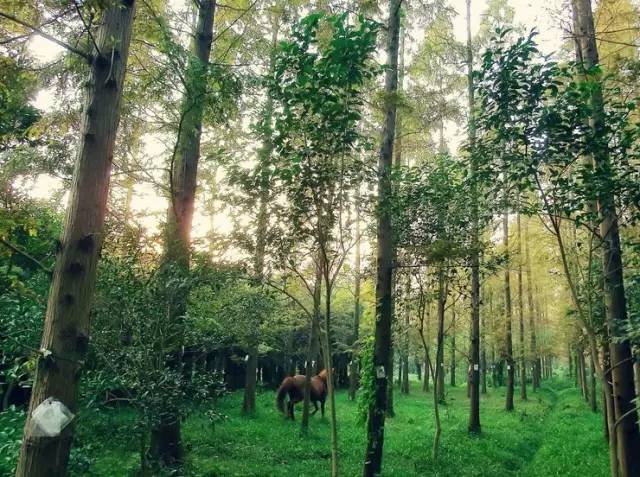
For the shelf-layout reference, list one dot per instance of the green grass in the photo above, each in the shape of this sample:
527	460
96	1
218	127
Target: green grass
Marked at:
552	434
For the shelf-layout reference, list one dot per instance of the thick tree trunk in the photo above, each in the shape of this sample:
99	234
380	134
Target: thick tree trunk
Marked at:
628	435
165	438
508	357
382	348
66	326
452	373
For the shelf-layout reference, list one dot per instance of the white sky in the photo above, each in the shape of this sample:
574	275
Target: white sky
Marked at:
151	207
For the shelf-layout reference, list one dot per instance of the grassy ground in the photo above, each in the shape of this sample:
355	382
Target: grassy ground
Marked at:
552	434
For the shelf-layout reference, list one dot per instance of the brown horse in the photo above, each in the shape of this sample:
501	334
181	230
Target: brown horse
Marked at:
294	387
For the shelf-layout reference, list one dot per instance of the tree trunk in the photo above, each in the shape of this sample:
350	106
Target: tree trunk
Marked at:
508	358
353	376
474	361
438	391
535	365
312	348
592	389
165	438
439	364
427	372
628	435
66	325
382	348
523	360
249	399
452	376
404	385
329	367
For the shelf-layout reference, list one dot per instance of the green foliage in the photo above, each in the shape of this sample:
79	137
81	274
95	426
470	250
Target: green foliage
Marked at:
550	426
11	424
366	391
17	87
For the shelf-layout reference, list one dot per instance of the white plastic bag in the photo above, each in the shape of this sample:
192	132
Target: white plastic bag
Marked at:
50	418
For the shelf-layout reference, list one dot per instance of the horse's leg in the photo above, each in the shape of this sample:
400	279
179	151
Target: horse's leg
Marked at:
290	410
322	407
315	405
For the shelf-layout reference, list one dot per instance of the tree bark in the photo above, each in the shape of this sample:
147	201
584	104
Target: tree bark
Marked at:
533	345
523	359
353	375
67	323
165	438
382	348
508	358
452	372
312	348
628	435
474	361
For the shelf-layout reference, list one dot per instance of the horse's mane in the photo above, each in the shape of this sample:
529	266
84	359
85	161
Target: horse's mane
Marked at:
323	375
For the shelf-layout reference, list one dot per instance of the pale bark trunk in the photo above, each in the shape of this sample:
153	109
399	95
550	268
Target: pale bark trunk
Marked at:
66	324
382	348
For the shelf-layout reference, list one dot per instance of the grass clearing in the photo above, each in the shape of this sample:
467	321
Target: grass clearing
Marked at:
552	434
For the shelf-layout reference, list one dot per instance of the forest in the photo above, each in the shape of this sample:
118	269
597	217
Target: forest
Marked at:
319	237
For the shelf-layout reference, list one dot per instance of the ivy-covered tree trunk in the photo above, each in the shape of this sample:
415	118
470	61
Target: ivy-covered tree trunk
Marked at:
626	417
508	312
382	347
165	438
66	325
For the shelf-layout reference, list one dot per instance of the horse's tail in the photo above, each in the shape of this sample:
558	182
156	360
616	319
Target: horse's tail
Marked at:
282	393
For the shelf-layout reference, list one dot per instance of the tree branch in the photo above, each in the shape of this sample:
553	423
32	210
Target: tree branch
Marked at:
37	30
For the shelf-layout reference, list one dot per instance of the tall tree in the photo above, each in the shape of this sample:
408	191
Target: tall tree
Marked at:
523	362
65	337
474	358
385	252
165	439
533	344
615	303
508	312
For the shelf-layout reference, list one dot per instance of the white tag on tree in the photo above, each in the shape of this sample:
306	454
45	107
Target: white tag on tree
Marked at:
508	367
246	358
476	367
380	372
50	418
